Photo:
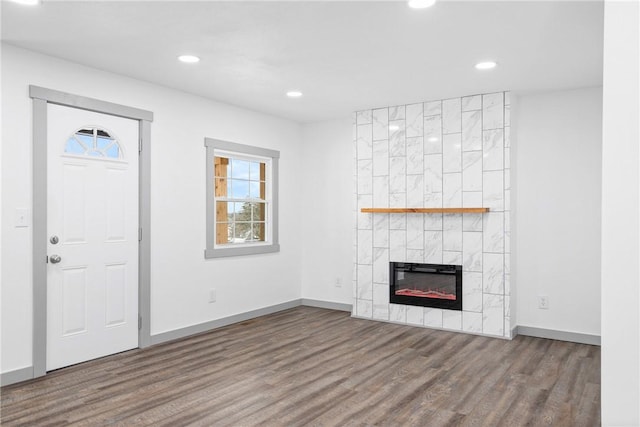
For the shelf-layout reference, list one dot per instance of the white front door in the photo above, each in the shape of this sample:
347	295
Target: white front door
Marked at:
92	226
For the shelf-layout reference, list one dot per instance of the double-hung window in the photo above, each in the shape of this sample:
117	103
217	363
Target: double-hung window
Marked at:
242	198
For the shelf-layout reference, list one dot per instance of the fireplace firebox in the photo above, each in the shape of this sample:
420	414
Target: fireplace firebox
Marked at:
428	285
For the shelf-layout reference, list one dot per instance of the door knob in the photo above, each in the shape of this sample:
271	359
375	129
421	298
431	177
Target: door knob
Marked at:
54	240
55	259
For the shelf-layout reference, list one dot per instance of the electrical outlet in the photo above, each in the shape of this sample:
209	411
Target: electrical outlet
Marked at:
543	302
338	282
22	218
212	295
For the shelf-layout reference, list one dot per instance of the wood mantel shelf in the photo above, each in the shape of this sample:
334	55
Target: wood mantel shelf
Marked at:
424	210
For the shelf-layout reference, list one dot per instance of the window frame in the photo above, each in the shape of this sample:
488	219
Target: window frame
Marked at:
242	151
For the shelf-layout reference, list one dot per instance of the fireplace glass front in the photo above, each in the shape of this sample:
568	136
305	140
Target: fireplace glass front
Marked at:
429	285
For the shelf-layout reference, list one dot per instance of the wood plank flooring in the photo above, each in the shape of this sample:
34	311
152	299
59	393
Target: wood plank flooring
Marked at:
316	367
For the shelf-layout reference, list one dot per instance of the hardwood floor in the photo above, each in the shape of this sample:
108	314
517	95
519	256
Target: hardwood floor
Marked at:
310	366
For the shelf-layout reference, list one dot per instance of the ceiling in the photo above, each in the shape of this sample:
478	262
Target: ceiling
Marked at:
344	56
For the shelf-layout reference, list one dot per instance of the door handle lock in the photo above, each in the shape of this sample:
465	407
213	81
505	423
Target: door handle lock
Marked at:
55	259
54	240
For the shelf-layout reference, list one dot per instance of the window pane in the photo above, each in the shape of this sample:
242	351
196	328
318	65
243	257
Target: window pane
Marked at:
224	212
242	232
113	152
73	147
221	166
224	232
259	231
103	143
86	141
239	189
255	171
254	190
239	169
243	211
258	211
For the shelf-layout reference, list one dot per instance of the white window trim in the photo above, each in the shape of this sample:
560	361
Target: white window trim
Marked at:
239	151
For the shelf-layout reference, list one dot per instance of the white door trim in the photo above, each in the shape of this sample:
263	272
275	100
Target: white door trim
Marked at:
41	96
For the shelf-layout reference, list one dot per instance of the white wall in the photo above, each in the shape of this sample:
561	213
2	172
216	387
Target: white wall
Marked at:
558	164
620	213
327	212
180	276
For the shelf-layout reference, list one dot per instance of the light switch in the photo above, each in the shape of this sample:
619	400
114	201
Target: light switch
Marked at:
23	217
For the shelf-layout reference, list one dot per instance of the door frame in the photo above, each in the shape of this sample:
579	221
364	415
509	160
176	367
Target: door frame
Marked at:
41	97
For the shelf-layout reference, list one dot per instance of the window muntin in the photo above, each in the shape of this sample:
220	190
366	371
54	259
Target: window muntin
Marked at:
93	142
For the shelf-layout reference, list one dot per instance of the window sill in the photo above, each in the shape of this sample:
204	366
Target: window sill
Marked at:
244	250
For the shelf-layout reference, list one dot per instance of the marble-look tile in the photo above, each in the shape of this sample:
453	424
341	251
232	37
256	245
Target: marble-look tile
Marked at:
433	134
472	251
415	315
398	313
472	171
493	315
365	246
507	284
433	200
507	263
381	158
472	199
396	113
381	312
507	328
415	191
415	156
397	245
364	308
398	221
397	200
363	117
380	191
507	200
433	173
397	139
365	176
381	265
452	236
451	258
433	247
452	190
507	115
432	108
433	317
415	231
414	120
507	136
451	116
381	230
507	98
380	124
493	190
493	227
452	320
364	142
381	297
472	222
433	222
354	292
415	255
472	291
451	153
364	220
493	150
472	130
493	273
492	111
472	322
397	175
365	282
507	179
473	102
507	306
507	158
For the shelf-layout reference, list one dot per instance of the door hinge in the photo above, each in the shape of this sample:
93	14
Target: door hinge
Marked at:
140	145
139	234
139	322
46	259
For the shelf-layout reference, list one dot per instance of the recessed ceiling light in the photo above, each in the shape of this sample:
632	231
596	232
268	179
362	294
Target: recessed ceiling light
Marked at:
421	4
27	2
294	94
394	127
189	59
487	65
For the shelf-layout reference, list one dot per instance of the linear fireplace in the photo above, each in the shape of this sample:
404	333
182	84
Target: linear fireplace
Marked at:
429	285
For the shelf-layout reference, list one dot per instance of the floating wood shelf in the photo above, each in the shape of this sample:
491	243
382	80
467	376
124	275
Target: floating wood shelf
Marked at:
424	210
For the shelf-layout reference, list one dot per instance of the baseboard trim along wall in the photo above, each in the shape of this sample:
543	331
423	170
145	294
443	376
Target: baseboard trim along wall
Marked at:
576	337
19	375
326	304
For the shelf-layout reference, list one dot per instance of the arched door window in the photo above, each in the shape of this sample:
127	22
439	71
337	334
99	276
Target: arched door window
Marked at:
93	142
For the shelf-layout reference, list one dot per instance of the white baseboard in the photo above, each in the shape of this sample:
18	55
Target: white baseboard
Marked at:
326	304
576	337
16	376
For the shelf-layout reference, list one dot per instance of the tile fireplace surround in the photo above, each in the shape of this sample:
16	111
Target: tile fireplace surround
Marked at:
448	153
